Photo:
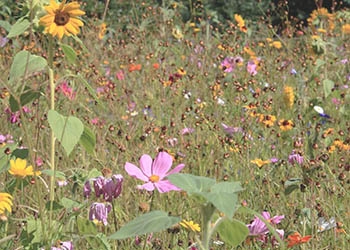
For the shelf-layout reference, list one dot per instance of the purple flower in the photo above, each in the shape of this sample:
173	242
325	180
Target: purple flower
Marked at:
294	158
99	211
187	131
257	227
231	130
154	173
229	63
63	245
274	160
110	188
251	68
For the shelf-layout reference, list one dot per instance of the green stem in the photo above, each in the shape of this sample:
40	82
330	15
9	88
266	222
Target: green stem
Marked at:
52	136
207	213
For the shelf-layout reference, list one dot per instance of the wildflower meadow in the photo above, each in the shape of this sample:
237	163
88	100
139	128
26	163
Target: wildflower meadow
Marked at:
174	125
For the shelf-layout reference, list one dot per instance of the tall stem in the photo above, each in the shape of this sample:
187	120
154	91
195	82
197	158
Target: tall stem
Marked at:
207	212
52	137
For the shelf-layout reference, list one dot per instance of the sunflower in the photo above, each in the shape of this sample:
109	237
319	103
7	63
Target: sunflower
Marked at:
61	19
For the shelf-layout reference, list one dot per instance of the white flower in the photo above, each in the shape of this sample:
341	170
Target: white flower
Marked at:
220	101
324	225
319	110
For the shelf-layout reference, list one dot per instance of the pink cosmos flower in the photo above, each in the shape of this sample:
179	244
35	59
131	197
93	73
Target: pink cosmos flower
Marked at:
67	91
257	227
251	68
154	173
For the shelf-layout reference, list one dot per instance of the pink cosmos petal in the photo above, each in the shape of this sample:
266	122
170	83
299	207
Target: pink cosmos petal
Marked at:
146	165
162	164
277	219
135	172
266	215
177	169
166	186
149	186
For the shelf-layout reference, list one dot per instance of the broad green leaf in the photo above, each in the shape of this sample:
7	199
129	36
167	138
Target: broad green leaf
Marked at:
103	241
233	232
93	173
86	227
19	65
58	174
55	206
68	203
69	53
227	187
151	222
291	185
18	28
328	85
6	25
34	227
67	130
191	183
88	140
20	153
225	202
14	106
28	96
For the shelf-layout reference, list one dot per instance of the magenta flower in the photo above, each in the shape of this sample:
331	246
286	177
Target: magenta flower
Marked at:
154	173
251	68
229	63
257	227
109	188
294	158
66	90
99	212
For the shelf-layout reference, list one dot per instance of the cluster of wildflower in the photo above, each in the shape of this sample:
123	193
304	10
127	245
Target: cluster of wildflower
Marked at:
109	188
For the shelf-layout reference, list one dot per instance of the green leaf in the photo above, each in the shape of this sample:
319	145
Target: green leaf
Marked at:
55	206
191	183
6	25
86	227
68	203
57	174
88	140
92	92
19	65
67	130
233	232
151	222
28	96
225	202
103	241
227	187
328	85
14	106
20	153
69	53
291	185
18	28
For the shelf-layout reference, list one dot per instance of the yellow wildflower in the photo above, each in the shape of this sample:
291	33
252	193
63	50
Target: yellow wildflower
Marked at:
260	162
19	168
240	23
190	225
177	33
5	203
285	125
346	29
61	19
276	44
288	96
102	31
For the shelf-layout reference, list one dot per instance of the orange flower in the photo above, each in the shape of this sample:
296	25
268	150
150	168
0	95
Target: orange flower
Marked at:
156	65
240	23
260	162
134	67
296	239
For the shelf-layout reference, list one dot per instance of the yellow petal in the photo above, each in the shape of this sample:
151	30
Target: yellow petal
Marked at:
47	20
60	31
76	22
71	28
74	13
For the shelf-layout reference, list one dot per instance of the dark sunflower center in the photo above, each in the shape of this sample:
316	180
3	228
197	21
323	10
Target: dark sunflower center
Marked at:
61	18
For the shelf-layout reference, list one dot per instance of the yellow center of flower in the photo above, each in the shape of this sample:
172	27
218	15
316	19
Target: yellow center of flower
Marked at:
154	178
61	18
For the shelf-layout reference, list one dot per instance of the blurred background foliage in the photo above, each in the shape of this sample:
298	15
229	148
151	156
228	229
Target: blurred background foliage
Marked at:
217	11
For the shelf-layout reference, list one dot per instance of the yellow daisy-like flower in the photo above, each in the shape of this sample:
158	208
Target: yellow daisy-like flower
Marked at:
19	168
102	31
276	44
260	162
190	225
5	203
61	19
267	120
285	125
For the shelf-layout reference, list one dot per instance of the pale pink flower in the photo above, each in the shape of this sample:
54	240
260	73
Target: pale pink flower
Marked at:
154	173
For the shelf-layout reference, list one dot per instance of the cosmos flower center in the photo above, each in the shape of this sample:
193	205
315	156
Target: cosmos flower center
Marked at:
154	178
61	18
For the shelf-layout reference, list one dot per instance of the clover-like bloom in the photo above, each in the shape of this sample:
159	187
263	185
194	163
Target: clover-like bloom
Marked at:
19	168
154	173
5	203
109	188
257	227
99	212
61	19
